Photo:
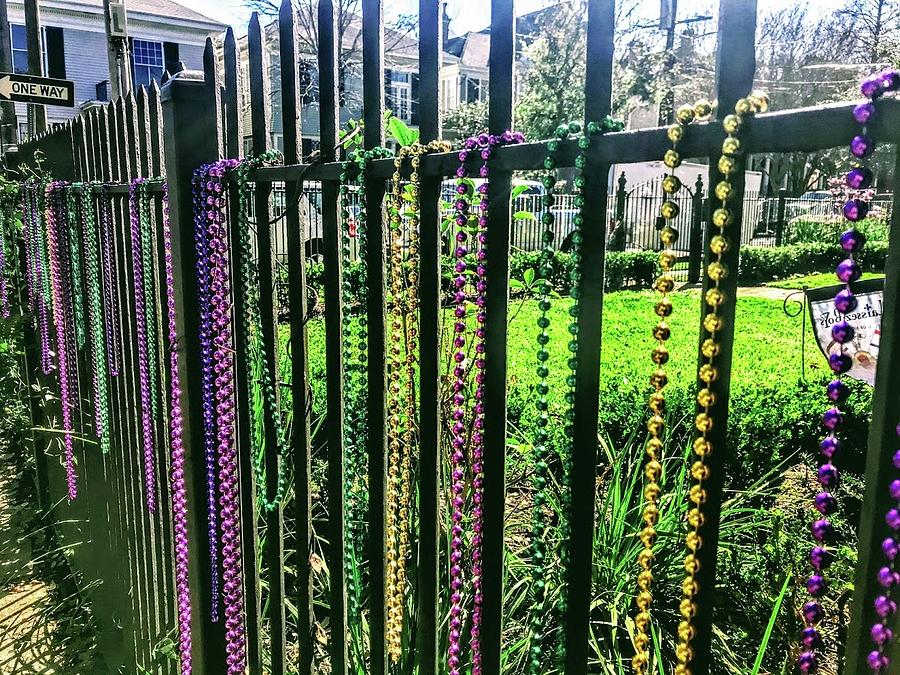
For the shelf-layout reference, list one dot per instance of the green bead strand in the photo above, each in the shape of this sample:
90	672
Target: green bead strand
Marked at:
151	300
94	292
74	238
263	397
541	617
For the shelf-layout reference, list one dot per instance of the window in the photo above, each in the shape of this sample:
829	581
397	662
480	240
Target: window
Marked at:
448	87
20	48
474	89
309	82
147	57
401	95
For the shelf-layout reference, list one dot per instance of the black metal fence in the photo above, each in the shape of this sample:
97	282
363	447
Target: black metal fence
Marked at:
199	122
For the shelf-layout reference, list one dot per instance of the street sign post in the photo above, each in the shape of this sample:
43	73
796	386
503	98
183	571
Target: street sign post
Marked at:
33	89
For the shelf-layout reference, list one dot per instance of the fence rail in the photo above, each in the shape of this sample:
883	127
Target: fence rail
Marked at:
194	120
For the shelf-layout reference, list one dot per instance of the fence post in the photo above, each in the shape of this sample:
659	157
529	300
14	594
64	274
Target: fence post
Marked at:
779	223
621	196
695	236
191	139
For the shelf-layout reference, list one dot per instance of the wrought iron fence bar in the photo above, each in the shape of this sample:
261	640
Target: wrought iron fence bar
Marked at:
250	540
190	142
735	68
427	587
231	101
274	542
154	128
328	126
373	136
300	385
800	129
126	390
137	117
143	132
598	101
500	119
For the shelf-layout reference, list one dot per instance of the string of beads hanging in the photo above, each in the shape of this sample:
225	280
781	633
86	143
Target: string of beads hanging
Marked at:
729	163
663	309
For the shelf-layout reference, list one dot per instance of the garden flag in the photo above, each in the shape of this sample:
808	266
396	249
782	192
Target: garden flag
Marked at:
865	319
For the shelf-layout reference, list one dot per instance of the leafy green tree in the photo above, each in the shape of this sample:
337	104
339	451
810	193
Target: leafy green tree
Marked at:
553	71
467	119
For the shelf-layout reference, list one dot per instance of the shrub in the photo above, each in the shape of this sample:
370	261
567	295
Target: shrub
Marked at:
812	229
759	264
634	269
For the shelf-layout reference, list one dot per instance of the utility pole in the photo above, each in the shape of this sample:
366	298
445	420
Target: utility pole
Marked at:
667	18
37	112
116	21
668	21
8	123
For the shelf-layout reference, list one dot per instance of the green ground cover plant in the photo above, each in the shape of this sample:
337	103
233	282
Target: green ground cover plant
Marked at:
774	432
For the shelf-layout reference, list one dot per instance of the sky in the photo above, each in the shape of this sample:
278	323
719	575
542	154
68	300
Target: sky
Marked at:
469	15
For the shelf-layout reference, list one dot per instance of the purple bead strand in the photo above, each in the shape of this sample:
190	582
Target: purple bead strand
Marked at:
178	486
458	441
484	145
60	321
887	576
140	322
4	291
220	287
201	196
840	362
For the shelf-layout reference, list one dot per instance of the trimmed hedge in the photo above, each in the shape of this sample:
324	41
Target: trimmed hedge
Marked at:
759	264
638	269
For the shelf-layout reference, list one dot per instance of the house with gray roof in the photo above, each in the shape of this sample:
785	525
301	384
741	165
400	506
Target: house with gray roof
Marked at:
161	33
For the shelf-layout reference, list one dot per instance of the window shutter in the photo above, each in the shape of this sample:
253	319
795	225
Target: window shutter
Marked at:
171	56
56	53
388	99
414	99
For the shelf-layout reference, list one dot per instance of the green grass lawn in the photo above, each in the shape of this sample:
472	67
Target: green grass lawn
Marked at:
815	280
767	344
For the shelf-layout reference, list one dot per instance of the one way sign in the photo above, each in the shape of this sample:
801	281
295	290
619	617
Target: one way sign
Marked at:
32	89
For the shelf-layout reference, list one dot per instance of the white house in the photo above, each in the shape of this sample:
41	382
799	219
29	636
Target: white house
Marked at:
161	33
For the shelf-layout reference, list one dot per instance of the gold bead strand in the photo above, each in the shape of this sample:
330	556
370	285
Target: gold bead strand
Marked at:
660	356
395	325
708	373
404	368
412	349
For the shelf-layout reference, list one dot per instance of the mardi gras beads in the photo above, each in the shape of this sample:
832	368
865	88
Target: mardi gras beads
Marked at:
218	254
110	297
354	355
176	431
722	217
848	271
35	235
541	616
73	222
261	381
401	390
141	313
659	379
483	144
96	333
203	198
61	303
